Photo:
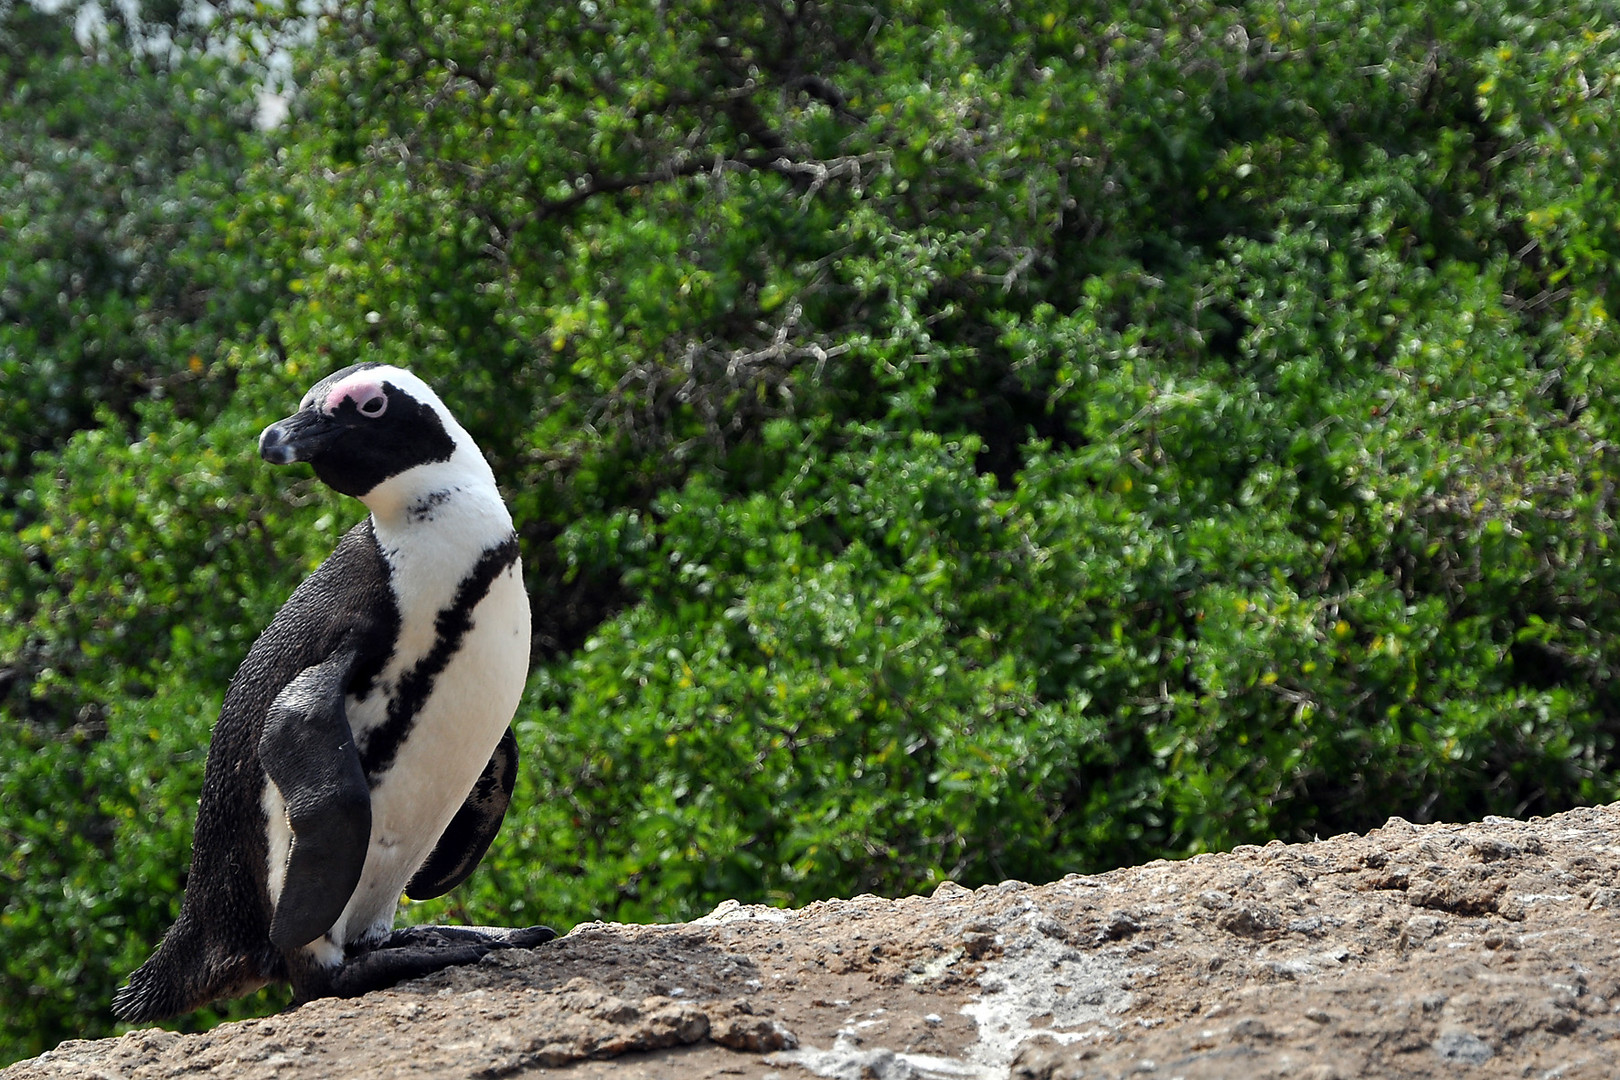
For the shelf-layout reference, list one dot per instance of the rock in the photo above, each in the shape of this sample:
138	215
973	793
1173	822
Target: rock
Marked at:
1250	920
1463	1047
740	1029
1414	951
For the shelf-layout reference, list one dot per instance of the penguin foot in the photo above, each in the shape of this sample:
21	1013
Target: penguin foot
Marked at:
410	953
490	937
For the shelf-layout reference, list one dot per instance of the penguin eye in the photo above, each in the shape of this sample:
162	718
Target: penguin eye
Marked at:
374	406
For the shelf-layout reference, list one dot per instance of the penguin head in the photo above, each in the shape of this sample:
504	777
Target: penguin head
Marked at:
363	426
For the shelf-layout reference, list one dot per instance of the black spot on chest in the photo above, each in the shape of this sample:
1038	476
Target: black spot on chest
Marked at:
427	507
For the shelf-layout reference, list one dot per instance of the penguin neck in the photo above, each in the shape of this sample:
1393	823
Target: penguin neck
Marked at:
452	503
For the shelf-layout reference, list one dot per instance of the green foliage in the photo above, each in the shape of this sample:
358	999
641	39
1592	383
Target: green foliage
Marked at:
136	575
805	701
949	442
116	171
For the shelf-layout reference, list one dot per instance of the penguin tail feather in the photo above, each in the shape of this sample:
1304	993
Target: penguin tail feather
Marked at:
183	974
147	996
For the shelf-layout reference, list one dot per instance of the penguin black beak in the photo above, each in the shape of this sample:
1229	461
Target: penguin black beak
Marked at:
298	438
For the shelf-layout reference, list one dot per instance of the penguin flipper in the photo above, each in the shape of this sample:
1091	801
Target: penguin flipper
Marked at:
469	833
308	752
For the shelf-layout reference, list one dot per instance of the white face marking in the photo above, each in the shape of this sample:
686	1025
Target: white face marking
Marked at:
364	388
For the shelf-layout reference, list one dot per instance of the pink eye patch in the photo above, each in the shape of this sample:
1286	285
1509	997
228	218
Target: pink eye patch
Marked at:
364	389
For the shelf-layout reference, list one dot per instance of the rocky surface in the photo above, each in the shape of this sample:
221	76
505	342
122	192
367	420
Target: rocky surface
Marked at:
1482	950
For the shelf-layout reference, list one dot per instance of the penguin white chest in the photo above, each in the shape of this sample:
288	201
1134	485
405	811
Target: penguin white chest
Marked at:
449	693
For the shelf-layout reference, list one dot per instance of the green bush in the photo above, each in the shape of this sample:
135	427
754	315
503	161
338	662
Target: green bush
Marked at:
948	442
117	171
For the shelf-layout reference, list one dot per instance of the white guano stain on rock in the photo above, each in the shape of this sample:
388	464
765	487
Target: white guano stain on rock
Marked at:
1039	974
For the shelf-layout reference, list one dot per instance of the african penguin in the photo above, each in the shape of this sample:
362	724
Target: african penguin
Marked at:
363	749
